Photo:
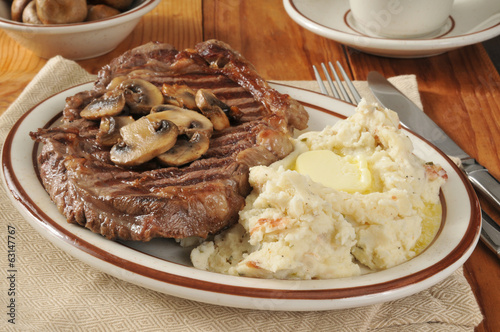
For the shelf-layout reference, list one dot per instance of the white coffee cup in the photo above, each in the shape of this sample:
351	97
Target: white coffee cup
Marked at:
400	18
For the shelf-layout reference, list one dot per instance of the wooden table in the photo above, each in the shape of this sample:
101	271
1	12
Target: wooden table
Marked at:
460	90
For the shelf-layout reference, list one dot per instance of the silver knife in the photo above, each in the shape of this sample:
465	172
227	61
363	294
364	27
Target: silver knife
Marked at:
415	119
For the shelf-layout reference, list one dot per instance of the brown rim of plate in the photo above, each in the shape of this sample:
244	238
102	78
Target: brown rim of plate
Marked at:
51	225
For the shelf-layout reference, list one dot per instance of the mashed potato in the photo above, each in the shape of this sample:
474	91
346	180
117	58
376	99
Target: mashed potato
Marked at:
298	225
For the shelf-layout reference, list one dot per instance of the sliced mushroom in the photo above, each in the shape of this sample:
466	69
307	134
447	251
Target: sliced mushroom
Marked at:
141	95
179	95
166	107
61	11
212	108
109	129
29	14
187	121
207	98
99	12
195	131
185	150
108	105
115	82
143	140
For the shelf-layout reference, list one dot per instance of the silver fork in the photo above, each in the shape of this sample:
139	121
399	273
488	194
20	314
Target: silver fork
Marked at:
343	95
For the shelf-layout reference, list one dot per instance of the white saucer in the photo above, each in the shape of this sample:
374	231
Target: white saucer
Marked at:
471	21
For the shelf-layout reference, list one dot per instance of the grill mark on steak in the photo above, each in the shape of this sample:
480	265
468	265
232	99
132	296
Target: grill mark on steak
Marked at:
224	89
148	201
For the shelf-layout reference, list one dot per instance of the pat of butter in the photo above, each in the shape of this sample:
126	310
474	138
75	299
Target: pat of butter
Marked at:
349	174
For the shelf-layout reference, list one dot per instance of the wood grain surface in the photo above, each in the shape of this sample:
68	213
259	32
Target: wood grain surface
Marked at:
460	89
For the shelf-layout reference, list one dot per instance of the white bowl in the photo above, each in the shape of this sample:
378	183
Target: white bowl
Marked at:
75	41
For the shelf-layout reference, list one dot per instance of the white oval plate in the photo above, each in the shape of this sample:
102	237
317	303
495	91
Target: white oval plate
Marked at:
470	22
163	266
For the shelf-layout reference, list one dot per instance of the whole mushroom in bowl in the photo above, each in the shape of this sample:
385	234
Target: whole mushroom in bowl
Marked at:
61	11
74	29
66	11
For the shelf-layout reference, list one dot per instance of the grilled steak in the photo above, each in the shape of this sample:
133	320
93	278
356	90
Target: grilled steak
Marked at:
150	200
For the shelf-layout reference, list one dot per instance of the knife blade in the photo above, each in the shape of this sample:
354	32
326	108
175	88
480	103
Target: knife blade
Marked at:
490	233
413	118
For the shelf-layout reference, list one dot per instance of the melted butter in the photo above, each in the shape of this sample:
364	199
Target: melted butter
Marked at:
431	221
349	173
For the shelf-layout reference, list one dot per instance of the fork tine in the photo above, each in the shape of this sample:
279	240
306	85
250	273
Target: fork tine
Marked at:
345	96
330	82
339	83
320	81
353	90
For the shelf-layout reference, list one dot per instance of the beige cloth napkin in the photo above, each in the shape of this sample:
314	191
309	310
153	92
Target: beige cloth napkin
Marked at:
55	292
